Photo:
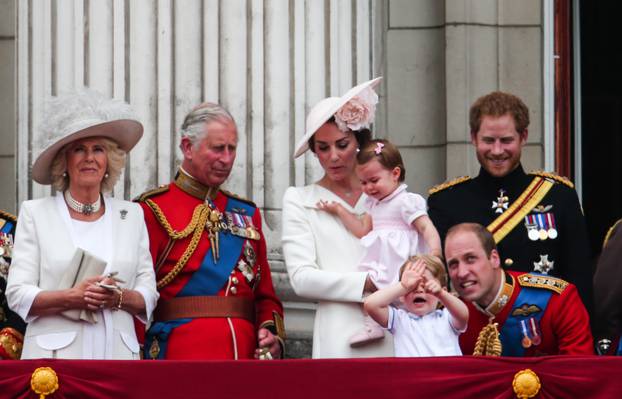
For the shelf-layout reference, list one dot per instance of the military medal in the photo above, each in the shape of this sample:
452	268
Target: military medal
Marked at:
249	253
542	230
501	204
242	225
532	228
552	231
246	271
535	335
6	244
544	266
154	350
525	342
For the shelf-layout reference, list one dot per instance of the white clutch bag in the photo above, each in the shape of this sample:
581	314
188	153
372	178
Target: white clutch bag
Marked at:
83	265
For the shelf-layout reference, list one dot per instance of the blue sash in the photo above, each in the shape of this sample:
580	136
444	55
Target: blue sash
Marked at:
207	280
619	351
511	333
8	226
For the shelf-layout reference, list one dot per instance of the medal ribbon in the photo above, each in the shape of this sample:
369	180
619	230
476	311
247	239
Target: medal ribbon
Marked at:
533	194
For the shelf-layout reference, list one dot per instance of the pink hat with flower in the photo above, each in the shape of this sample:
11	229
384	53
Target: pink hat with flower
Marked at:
354	111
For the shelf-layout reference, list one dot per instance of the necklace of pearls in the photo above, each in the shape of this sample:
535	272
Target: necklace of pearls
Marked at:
85	209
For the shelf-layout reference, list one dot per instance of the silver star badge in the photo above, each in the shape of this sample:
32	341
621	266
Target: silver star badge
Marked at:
544	266
501	204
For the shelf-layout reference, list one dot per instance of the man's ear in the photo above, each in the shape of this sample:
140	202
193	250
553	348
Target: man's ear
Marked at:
473	137
495	260
523	136
186	147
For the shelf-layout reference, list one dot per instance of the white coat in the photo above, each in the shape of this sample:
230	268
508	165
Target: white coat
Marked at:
322	259
43	249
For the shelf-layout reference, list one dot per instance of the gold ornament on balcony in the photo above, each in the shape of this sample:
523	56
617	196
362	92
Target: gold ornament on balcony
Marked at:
526	384
44	381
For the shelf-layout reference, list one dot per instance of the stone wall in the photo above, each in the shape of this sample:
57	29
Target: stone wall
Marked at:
7	106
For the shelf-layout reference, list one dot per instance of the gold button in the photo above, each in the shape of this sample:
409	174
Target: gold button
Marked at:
509	262
235	280
234	290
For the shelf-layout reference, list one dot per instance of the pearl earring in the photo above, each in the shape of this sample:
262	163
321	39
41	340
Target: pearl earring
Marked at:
106	175
64	174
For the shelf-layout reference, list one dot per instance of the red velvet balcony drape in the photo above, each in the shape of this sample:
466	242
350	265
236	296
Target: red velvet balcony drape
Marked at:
455	377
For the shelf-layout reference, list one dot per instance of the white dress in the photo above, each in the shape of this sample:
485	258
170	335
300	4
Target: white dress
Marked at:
322	259
393	238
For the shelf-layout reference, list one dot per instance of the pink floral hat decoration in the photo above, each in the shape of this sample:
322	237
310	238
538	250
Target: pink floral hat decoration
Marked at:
354	111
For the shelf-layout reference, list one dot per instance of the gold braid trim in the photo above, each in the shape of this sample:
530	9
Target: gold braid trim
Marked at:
488	343
9	216
447	184
610	232
553	176
199	218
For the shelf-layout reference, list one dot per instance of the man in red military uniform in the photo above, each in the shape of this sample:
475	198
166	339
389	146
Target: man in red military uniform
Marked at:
216	295
535	314
12	326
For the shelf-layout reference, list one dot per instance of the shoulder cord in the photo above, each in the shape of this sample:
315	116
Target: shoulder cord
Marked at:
199	218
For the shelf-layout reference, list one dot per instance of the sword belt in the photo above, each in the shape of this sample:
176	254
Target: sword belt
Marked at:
205	306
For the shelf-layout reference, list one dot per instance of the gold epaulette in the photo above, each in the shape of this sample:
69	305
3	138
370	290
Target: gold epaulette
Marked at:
447	184
8	216
237	197
553	176
151	193
610	232
537	281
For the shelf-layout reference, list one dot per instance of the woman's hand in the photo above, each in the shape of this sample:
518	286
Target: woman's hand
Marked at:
97	297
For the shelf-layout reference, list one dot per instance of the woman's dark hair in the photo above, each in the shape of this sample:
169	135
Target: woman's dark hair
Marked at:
362	136
385	153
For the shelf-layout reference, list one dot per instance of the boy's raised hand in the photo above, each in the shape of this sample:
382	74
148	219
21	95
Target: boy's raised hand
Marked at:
413	275
432	286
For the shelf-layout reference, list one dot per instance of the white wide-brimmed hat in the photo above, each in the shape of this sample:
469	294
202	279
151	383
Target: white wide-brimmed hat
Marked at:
78	115
326	108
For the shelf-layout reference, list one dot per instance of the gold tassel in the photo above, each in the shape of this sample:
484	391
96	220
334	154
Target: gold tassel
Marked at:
488	343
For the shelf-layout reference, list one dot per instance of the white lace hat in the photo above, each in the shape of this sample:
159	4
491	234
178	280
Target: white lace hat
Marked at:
326	108
78	115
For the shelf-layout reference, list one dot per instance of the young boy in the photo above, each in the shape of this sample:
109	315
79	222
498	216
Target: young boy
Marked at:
421	329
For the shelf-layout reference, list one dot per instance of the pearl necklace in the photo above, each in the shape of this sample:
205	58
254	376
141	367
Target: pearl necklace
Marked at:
85	209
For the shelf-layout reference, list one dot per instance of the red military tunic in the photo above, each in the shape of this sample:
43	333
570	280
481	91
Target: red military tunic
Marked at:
209	337
12	326
564	326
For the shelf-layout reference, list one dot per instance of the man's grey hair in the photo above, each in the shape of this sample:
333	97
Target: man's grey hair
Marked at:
201	115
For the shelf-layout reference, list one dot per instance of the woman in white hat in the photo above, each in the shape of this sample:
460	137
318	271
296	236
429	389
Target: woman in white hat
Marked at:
321	254
81	265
